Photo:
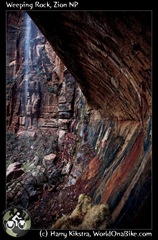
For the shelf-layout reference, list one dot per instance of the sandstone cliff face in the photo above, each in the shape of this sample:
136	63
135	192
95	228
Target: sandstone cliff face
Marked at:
68	143
108	53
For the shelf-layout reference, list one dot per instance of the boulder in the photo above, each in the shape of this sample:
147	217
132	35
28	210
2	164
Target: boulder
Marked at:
49	159
14	171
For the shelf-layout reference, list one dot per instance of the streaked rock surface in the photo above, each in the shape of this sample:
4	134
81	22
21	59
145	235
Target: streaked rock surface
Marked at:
98	129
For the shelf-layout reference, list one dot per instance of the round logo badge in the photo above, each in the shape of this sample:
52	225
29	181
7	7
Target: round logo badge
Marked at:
16	222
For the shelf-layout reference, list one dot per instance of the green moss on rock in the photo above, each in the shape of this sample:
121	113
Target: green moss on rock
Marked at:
85	216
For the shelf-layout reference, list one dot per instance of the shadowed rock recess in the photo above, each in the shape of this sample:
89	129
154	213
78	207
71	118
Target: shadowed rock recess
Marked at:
79	107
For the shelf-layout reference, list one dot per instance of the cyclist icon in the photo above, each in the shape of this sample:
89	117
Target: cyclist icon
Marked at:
16	221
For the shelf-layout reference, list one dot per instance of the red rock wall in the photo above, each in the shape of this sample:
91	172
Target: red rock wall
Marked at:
103	148
113	52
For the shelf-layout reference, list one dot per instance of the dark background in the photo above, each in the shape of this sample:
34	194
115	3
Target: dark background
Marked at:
83	5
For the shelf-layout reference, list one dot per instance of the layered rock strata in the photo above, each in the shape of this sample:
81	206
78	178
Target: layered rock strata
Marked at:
68	143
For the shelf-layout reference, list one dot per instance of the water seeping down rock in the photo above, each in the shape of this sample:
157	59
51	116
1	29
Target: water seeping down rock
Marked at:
79	115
